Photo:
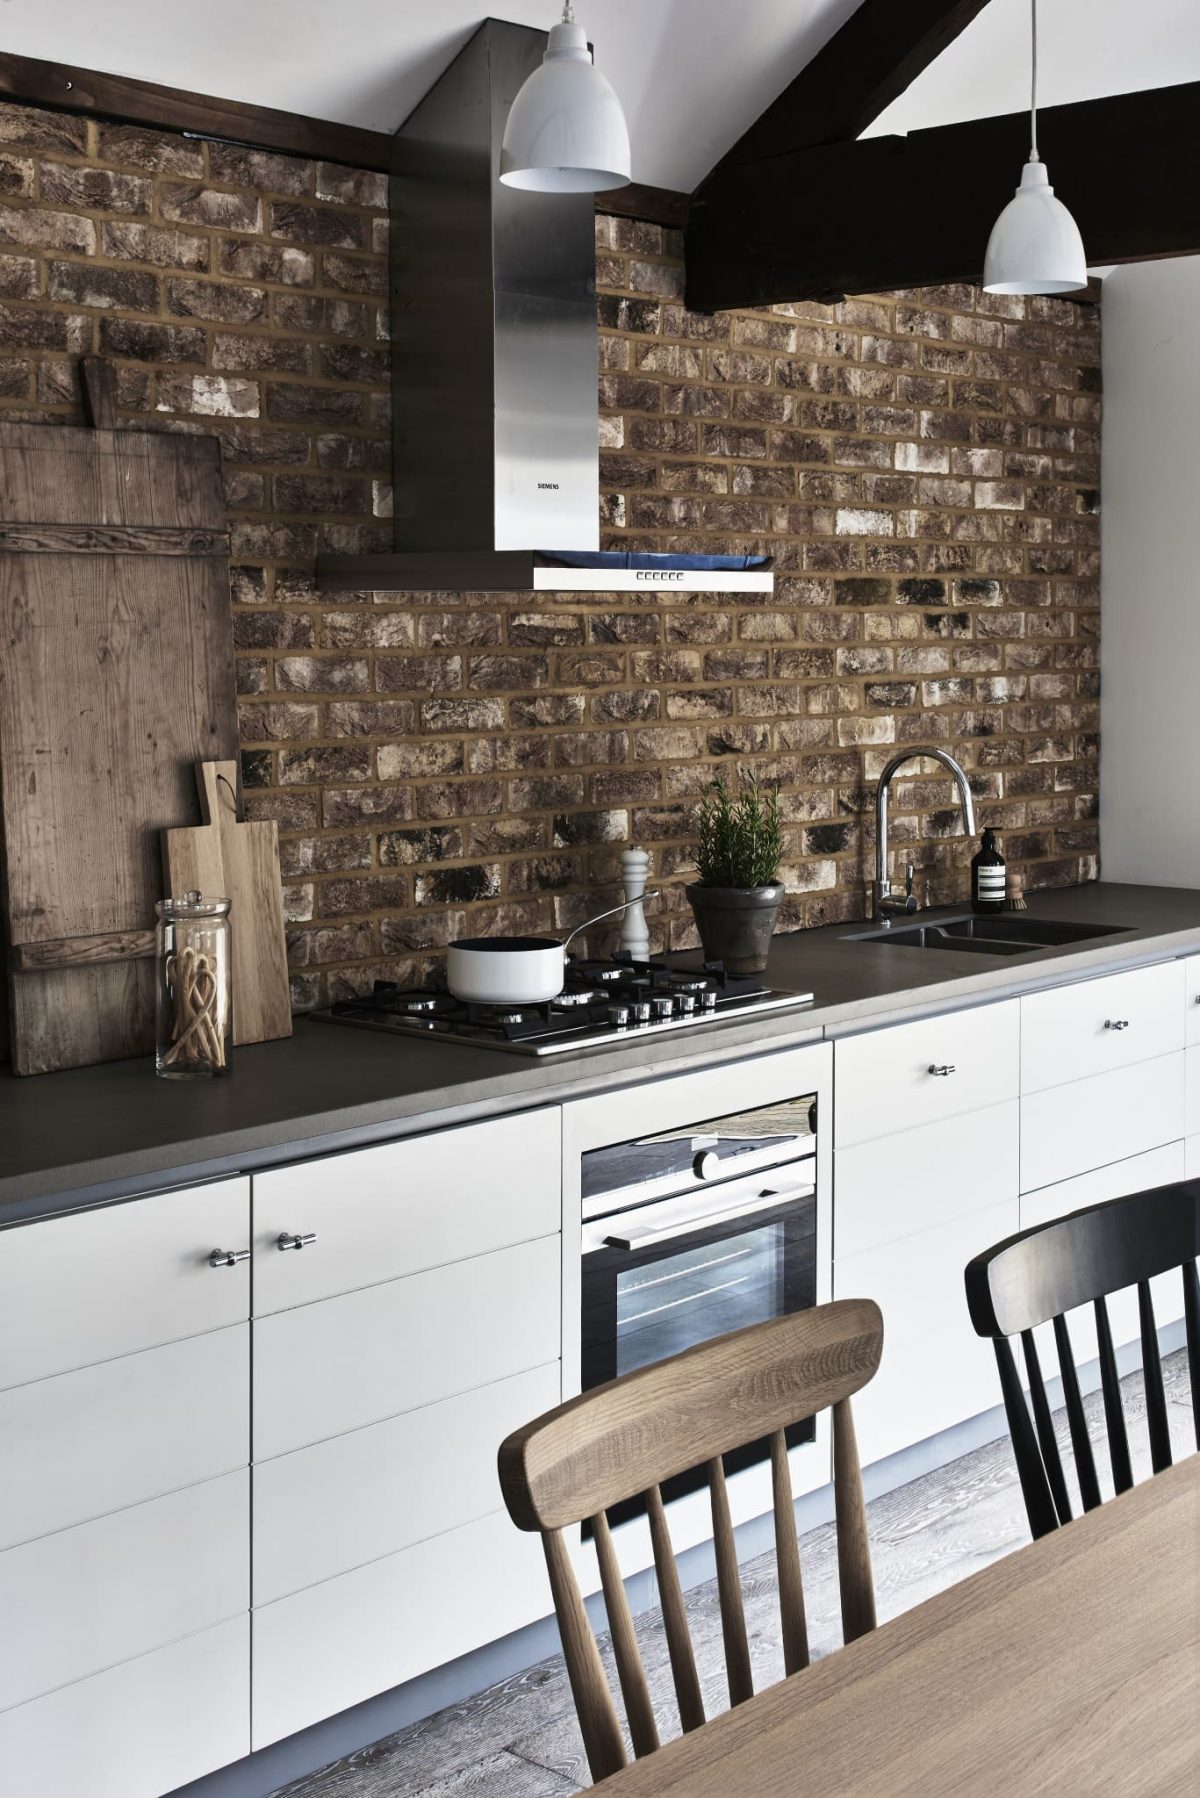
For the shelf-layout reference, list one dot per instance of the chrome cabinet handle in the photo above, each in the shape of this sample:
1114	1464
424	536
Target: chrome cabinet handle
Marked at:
228	1257
1116	1023
946	1067
284	1241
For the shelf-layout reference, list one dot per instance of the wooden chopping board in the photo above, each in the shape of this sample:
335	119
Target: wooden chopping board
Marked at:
116	678
241	862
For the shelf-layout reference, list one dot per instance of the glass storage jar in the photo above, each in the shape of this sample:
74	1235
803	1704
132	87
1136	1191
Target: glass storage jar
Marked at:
193	988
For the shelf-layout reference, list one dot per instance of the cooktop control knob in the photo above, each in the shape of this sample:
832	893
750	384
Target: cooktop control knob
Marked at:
641	1011
685	1004
618	1015
707	1164
708	1000
663	1007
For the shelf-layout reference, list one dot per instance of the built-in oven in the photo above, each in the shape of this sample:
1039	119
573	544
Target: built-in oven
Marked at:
695	1232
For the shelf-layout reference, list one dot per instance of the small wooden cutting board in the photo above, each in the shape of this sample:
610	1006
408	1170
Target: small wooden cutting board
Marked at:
224	856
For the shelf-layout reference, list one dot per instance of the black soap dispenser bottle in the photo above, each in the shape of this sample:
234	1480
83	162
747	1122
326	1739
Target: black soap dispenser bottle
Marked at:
988	876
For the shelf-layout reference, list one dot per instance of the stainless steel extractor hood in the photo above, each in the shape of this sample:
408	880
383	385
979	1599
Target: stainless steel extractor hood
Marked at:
494	364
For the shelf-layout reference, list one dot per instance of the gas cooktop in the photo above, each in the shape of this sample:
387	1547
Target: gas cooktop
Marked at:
602	1002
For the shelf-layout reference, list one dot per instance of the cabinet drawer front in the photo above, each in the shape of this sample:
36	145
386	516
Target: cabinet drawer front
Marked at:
1157	1168
895	1186
923	1386
102	1592
140	1729
328	1368
883	1083
1191	1000
382	1213
323	1649
1098	1025
1192	1078
1068	1130
340	1504
919	1279
81	1444
84	1287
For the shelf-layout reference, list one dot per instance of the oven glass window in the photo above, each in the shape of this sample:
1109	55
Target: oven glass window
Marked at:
673	1303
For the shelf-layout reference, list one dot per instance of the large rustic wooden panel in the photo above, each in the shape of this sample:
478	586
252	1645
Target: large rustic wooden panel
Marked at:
117	677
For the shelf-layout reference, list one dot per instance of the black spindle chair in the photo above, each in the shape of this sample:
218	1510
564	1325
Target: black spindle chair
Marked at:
1039	1275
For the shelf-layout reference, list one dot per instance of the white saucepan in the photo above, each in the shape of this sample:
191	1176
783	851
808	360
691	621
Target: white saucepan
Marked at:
515	970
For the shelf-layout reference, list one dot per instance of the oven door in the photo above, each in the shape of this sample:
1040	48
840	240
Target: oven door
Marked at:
662	1277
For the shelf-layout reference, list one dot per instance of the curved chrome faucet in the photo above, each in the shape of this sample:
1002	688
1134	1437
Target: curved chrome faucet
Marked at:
886	902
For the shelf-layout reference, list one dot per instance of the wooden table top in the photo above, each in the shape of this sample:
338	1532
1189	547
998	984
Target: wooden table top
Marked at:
1071	1666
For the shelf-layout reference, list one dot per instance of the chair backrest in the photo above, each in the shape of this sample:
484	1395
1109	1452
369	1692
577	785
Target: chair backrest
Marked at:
1038	1276
625	1439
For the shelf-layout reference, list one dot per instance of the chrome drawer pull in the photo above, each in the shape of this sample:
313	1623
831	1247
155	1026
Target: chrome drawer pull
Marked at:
946	1067
1116	1023
284	1241
228	1257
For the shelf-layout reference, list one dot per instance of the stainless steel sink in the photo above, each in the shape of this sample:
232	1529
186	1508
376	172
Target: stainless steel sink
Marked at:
1010	933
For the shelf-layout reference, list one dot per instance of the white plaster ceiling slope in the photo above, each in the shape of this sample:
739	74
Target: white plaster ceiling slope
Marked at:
692	73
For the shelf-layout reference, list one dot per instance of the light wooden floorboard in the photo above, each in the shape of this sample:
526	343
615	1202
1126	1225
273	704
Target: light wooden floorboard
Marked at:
519	1739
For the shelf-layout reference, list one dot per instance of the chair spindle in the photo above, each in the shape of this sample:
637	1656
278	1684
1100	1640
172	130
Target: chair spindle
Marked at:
1156	1398
854	1553
1191	1312
593	1701
639	1710
679	1641
1039	1500
1081	1442
787	1560
729	1590
1045	1428
1114	1415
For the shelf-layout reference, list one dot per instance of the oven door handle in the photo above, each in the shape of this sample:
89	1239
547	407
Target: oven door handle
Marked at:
769	1199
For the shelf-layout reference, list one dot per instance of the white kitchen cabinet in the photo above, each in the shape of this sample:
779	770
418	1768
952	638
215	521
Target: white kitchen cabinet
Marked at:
905	1075
1099	1026
925	1384
1070	1129
80	1444
138	1730
1191	1000
900	1185
89	1285
1191	1126
338	1504
330	1367
1191	1149
104	1591
334	1644
382	1213
1158	1167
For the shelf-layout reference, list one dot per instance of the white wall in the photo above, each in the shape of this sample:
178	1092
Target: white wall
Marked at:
1150	575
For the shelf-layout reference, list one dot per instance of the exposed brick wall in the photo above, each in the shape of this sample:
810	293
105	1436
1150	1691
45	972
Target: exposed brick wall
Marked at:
922	466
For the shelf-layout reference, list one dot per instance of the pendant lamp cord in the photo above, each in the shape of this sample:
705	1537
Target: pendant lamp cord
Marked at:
1033	151
568	17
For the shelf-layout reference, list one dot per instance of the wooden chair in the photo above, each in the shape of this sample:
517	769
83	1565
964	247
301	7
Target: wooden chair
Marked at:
626	1438
1038	1276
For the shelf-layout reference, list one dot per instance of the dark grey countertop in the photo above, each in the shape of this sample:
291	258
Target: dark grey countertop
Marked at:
95	1133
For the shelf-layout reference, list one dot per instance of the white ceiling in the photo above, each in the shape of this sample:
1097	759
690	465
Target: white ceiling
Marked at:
691	73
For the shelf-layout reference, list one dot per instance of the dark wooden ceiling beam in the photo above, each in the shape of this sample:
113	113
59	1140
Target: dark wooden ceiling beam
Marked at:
880	50
119	97
914	211
654	205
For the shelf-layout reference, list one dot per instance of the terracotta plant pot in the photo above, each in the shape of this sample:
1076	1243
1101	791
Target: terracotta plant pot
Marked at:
735	924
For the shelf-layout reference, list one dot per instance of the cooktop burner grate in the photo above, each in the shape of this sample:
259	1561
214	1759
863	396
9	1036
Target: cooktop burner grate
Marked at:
602	1002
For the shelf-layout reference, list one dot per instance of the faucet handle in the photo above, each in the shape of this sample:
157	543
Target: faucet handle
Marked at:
909	871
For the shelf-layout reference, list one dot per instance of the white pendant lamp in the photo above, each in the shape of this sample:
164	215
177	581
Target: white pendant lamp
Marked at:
1035	246
566	132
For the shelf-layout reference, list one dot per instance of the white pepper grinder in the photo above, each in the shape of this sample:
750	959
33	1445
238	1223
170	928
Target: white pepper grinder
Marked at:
635	936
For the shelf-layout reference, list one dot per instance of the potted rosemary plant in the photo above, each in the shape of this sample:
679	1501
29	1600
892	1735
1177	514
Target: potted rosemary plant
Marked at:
737	895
